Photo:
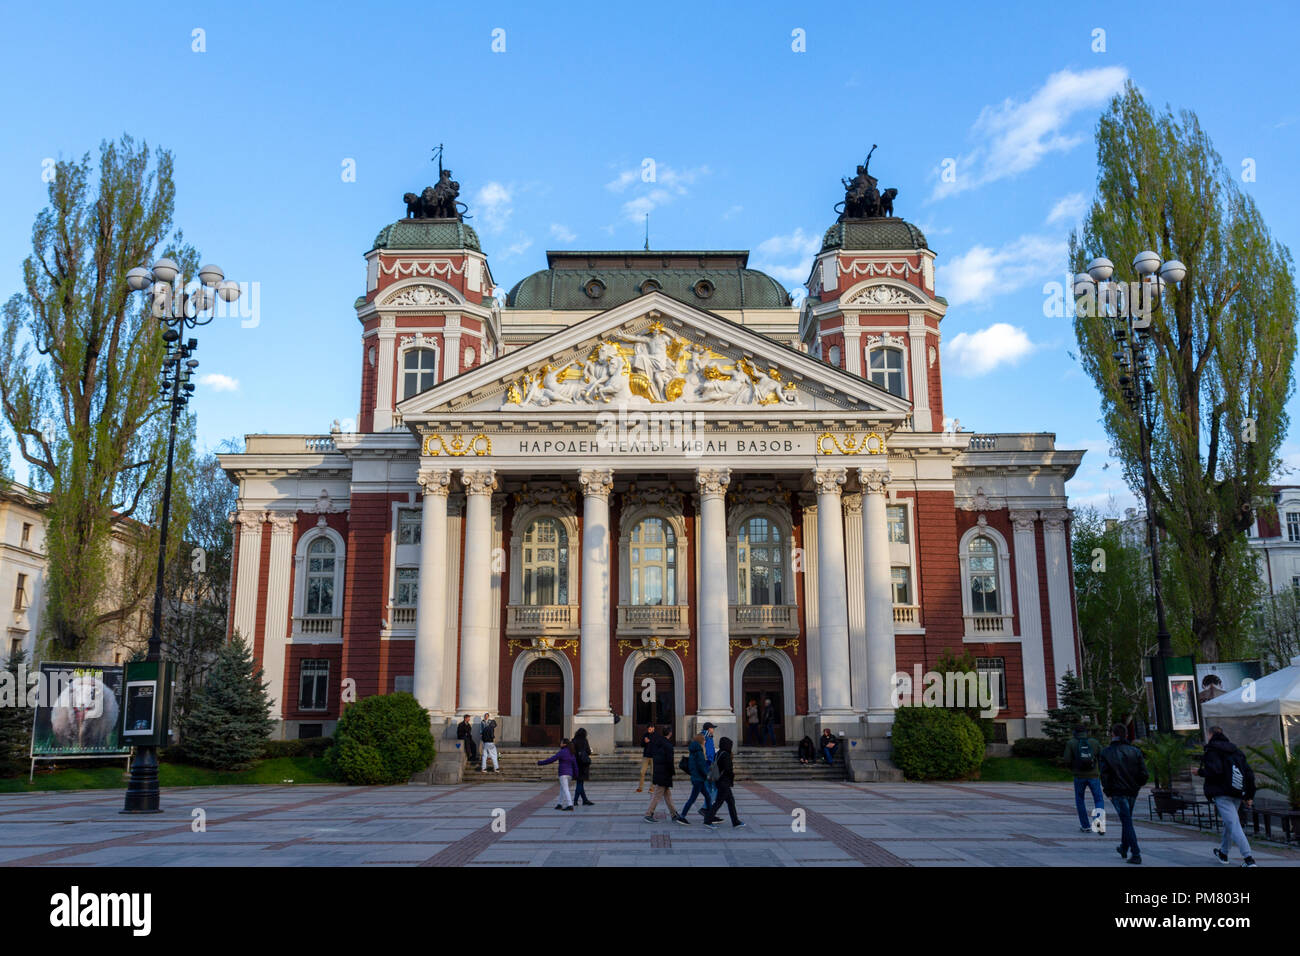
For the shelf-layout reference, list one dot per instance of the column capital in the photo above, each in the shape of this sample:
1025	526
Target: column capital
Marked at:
596	482
853	504
249	521
479	481
830	481
713	481
1023	521
281	523
873	480
435	481
1054	519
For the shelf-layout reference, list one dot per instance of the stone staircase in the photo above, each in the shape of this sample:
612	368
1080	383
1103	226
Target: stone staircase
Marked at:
519	765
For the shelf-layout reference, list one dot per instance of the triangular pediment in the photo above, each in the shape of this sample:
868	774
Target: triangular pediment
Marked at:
654	352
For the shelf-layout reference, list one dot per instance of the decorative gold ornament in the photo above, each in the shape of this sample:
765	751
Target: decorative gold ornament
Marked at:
457	447
870	444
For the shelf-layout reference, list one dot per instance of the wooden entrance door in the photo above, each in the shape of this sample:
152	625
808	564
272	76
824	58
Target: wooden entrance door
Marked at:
762	682
652	689
543	724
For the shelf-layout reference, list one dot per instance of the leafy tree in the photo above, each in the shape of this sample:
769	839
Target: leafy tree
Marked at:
79	366
1075	705
228	722
1223	341
1277	628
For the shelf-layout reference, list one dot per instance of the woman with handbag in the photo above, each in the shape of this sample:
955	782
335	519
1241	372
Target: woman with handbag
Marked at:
582	754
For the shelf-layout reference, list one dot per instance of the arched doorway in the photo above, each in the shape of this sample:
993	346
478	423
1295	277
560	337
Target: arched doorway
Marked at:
652	688
543	724
760	683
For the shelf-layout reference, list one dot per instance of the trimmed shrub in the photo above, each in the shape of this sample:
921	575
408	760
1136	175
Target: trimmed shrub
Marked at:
931	743
1043	747
381	740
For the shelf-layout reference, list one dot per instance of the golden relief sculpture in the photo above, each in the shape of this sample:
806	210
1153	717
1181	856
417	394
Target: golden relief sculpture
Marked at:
870	444
654	366
458	446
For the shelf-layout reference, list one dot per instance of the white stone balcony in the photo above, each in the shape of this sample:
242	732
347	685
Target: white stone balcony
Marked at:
543	620
753	620
401	617
906	615
653	620
992	625
331	627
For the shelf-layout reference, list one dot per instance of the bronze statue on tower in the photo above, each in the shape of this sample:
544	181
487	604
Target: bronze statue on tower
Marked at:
862	199
439	201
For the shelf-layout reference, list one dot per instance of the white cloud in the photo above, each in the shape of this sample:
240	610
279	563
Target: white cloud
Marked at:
668	184
977	353
518	247
219	383
492	203
1013	137
980	274
562	233
789	257
1068	208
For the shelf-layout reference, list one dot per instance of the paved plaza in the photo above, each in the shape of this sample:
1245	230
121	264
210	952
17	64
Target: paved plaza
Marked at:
937	824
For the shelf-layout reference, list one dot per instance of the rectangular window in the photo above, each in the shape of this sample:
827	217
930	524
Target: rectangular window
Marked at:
1295	583
15	646
902	586
408	587
1293	525
408	526
994	669
897	519
26	541
20	594
313	685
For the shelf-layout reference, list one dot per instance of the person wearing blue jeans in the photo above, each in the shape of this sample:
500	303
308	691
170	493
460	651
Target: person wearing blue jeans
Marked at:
699	773
1229	782
1081	757
1123	774
1128	839
711	791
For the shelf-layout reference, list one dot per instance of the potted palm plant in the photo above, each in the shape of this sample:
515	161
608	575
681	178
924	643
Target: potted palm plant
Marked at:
1278	772
1167	756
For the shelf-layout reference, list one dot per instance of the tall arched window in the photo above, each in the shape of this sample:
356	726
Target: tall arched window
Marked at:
320	578
652	563
419	371
887	369
546	563
983	575
760	563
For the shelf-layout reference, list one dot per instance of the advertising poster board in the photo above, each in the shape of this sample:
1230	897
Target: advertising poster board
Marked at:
78	713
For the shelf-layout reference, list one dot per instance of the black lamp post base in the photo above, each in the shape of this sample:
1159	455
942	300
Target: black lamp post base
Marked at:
142	789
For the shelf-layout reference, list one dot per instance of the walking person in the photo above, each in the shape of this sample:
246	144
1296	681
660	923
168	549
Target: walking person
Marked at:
568	769
724	770
710	754
1081	757
1229	783
662	778
647	754
769	722
751	723
465	732
1123	773
582	754
487	733
698	768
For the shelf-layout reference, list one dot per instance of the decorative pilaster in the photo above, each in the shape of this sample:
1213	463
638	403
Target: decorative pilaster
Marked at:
278	602
881	662
1056	551
715	658
476	598
384	367
856	571
250	558
593	656
1033	660
837	700
431	597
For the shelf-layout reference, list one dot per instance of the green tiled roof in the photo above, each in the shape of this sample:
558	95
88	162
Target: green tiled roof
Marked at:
427	234
870	234
627	275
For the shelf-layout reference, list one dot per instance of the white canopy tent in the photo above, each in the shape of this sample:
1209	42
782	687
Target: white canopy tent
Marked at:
1256	714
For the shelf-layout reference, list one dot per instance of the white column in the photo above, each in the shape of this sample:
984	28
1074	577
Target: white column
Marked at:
852	346
922	421
881	663
476	610
384	369
832	596
593	648
250	560
715	654
278	601
856	571
1057	553
431	599
812	621
451	347
1032	659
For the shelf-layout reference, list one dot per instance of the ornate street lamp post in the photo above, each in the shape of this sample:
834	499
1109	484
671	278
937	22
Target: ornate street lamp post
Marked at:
1129	308
148	684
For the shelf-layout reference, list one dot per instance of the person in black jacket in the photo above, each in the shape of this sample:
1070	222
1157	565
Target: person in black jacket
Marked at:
807	752
1123	773
769	722
661	757
465	732
1229	782
647	754
582	754
726	780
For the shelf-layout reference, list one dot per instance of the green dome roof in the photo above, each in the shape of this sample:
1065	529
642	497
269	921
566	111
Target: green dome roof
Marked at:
873	234
707	280
427	234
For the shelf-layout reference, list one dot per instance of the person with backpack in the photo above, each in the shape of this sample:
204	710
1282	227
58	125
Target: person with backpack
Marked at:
724	773
1123	773
1081	757
661	778
1229	782
487	732
711	792
582	754
568	769
695	764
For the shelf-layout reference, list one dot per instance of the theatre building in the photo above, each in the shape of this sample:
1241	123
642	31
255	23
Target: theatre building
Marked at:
644	485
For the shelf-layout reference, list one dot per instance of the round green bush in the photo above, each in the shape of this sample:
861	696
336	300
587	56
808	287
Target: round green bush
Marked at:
381	740
931	743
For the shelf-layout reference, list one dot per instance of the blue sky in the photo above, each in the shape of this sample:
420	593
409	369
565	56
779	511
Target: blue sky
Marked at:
749	138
